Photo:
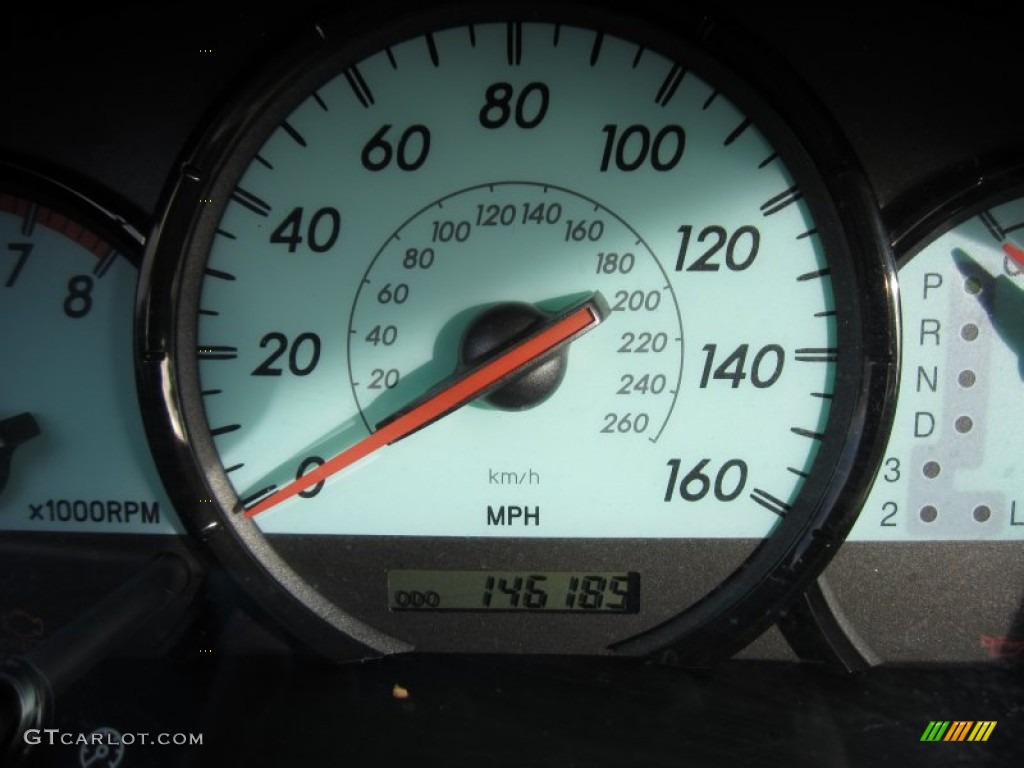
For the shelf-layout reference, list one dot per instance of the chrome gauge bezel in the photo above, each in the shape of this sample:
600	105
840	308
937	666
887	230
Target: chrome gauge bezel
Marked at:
743	603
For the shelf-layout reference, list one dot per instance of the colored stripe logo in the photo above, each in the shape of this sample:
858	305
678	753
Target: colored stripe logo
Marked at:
958	730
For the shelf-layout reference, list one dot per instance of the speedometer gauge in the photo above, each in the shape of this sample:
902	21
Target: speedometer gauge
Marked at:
481	331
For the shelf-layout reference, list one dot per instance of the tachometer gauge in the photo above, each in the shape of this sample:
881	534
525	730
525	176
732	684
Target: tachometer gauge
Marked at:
944	524
73	455
488	329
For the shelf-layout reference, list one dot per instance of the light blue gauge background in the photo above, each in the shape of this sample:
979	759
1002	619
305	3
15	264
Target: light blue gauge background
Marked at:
954	467
439	480
89	470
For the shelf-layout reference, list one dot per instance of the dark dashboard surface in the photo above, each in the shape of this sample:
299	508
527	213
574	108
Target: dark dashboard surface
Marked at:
109	98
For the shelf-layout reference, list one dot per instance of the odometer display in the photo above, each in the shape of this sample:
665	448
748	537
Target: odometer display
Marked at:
567	591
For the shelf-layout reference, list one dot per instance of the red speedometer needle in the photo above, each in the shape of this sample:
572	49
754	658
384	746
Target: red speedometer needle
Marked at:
1014	253
451	394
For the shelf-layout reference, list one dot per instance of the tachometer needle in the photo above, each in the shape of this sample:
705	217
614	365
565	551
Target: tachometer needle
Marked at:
13	432
451	394
1015	253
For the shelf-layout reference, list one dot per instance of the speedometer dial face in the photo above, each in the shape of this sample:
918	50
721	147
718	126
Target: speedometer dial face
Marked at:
508	305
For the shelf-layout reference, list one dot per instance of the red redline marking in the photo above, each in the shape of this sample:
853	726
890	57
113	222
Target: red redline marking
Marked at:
444	402
1014	253
59	223
9	204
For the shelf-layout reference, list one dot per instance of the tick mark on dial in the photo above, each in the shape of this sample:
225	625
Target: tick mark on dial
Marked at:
595	52
217	353
817	355
104	264
514	43
219	274
432	50
775	204
669	85
737	132
359	86
261	493
250	201
28	223
992	225
295	135
769	502
818	273
807	433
